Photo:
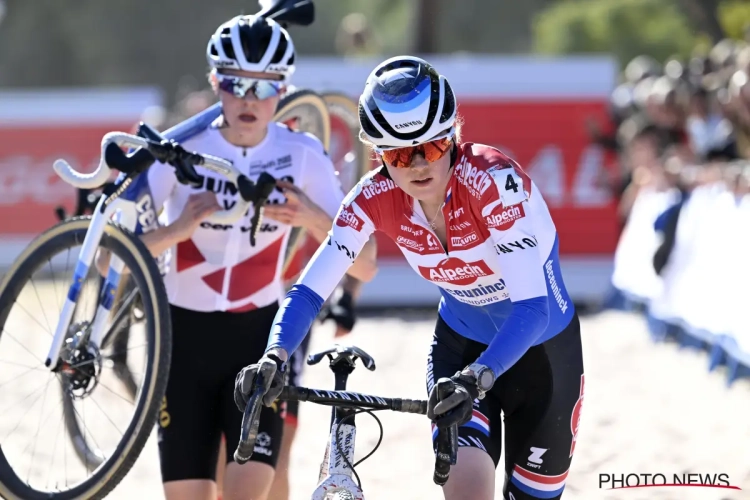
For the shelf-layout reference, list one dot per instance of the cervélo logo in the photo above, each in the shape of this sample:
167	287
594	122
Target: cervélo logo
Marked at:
349	218
456	272
502	218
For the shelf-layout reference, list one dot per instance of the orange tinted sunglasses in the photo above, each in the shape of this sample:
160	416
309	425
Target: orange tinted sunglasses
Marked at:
432	151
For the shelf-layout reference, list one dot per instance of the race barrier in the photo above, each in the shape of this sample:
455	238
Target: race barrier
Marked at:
534	109
700	298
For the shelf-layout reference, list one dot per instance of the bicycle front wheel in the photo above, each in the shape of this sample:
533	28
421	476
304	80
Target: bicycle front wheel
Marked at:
127	439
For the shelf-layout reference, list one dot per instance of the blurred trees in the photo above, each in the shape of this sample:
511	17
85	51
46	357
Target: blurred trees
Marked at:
125	42
626	28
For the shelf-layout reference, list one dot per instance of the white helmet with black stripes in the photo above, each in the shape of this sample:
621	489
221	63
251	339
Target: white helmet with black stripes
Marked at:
252	43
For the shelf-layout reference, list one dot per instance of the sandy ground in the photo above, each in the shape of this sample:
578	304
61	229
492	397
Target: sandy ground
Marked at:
648	409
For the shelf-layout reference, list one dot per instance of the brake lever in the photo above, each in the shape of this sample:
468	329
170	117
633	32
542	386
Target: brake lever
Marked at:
258	194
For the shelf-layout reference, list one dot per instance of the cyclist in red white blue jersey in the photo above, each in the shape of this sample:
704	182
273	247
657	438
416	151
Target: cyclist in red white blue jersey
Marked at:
469	219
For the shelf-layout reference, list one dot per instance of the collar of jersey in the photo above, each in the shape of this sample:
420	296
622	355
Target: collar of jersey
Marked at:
269	138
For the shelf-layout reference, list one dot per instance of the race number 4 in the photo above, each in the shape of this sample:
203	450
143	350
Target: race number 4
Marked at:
513	192
576	186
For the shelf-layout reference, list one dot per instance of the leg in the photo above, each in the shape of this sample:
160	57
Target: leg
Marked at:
280	486
474	472
539	449
188	421
480	439
253	480
221	468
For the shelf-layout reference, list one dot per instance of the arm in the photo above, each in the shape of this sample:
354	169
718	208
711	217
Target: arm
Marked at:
522	271
322	182
149	190
304	300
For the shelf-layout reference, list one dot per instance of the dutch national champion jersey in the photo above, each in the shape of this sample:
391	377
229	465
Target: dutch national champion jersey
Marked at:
217	269
499	272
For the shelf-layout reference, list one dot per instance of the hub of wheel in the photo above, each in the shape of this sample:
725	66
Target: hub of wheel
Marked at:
81	364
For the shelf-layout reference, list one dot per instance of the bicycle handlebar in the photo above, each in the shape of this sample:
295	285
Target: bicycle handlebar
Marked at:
447	440
170	152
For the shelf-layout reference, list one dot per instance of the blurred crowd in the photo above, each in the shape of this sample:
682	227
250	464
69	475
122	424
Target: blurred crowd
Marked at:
667	118
681	134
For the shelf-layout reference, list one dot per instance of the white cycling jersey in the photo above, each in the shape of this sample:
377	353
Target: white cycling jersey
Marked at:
217	269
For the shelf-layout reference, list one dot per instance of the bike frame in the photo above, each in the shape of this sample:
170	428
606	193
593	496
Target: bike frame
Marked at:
129	210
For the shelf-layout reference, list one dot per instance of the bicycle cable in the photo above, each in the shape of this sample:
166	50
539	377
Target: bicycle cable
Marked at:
377	445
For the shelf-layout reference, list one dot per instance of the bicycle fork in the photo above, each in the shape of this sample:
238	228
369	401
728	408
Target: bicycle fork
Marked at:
86	257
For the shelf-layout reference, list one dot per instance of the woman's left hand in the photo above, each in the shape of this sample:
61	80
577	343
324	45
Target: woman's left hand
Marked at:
298	211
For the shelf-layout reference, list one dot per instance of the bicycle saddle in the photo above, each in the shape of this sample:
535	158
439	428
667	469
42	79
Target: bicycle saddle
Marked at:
350	353
297	12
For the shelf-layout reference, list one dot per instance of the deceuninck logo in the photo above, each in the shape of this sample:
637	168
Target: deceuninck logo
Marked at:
622	481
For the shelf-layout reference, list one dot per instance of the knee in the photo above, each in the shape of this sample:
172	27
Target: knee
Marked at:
473	476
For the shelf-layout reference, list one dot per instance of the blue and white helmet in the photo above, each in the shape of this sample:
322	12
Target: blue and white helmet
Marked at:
406	102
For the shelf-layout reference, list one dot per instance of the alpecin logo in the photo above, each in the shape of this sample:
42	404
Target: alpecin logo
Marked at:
502	218
349	218
456	272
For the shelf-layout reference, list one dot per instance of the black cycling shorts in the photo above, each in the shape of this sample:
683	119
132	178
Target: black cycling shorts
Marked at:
540	397
297	363
208	350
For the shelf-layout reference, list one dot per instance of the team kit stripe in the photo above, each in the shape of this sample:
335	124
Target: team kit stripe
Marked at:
538	485
479	422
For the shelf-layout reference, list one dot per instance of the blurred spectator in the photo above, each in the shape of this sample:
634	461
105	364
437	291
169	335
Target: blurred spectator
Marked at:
355	37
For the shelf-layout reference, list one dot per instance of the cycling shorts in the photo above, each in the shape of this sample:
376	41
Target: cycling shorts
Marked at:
540	397
208	350
297	364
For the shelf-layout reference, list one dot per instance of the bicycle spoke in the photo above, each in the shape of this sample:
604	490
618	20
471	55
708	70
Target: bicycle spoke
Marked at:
106	415
19	376
44	309
5	439
34	318
54	287
81	419
113	392
54	446
39	367
38	428
128	349
12	337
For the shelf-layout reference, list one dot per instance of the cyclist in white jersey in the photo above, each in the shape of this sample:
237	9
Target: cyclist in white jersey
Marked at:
470	220
223	292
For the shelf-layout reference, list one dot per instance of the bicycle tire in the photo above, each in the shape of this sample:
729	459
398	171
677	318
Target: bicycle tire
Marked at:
145	273
344	107
310	107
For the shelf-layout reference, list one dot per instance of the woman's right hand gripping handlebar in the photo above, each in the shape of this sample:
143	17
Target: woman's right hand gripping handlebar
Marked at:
272	369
